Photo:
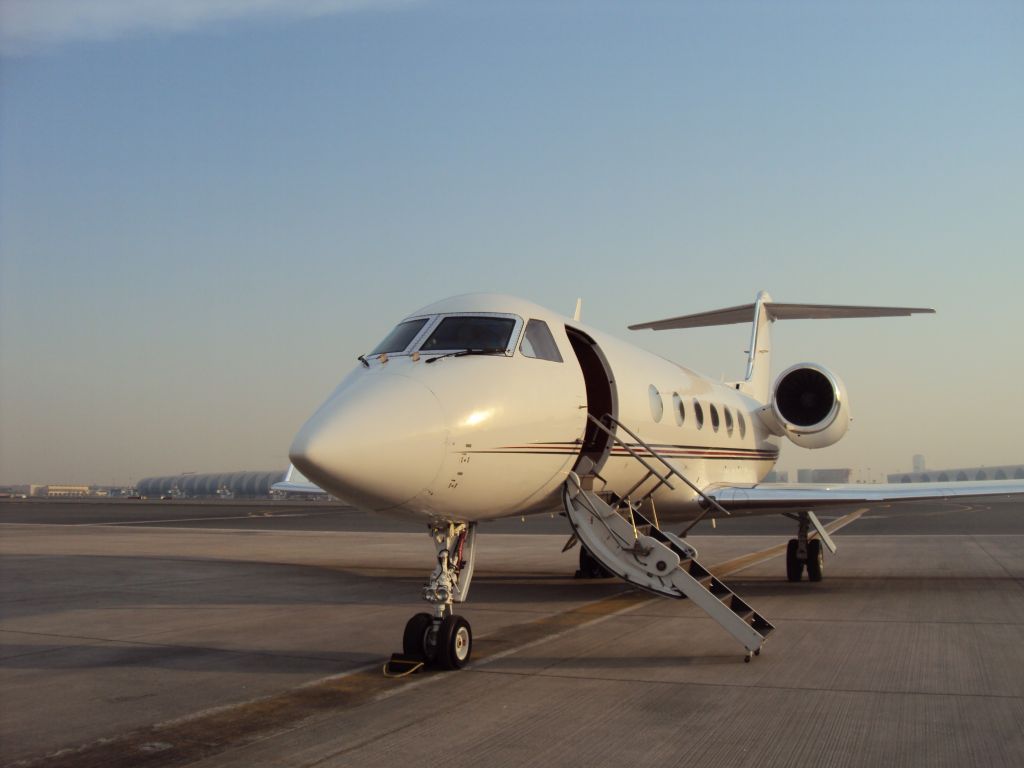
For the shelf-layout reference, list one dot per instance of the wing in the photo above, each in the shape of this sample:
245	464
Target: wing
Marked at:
296	482
774	498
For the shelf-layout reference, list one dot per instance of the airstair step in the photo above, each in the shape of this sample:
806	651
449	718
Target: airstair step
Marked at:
719	590
698	571
738	605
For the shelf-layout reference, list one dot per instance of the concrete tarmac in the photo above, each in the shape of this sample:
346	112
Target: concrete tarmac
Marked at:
243	634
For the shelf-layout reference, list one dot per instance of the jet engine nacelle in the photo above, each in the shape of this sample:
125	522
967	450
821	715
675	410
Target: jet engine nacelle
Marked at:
809	406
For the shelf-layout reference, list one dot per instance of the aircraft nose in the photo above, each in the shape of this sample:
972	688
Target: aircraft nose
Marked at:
376	445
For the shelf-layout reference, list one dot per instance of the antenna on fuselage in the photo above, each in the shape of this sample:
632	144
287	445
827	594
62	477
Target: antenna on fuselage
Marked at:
579	309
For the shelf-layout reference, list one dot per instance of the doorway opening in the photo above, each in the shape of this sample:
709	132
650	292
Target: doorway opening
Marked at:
602	398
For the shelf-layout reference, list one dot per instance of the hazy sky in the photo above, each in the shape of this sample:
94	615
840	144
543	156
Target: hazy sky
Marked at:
208	209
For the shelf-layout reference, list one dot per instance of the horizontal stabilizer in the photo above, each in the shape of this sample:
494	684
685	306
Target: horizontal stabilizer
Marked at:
776	311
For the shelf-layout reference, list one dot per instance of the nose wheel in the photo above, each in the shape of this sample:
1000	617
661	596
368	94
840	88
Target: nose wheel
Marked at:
415	640
454	643
444	645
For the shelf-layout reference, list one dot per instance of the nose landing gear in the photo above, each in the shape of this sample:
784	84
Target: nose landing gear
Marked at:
443	639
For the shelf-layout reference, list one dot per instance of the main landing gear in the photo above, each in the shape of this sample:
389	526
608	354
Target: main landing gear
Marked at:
442	639
801	553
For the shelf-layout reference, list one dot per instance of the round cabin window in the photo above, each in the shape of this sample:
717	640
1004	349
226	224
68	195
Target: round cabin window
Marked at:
657	405
679	408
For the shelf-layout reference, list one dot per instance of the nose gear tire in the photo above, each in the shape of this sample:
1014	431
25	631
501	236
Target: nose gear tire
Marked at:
454	643
414	639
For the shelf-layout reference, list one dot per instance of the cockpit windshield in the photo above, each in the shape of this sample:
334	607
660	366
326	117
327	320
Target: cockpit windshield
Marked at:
400	337
470	332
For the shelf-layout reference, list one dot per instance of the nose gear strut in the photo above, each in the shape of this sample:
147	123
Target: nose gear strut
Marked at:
442	639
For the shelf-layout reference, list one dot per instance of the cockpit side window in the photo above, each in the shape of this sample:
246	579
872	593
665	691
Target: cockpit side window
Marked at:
470	332
539	343
401	337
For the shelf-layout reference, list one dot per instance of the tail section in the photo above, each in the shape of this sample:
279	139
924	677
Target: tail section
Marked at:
763	312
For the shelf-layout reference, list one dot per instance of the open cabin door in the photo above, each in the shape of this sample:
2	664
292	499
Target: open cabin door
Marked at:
602	398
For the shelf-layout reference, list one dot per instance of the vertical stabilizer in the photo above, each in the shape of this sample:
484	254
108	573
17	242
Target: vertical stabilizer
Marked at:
759	356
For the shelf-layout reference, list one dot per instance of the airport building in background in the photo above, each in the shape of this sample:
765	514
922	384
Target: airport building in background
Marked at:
959	474
811	476
824	475
66	491
63	491
238	485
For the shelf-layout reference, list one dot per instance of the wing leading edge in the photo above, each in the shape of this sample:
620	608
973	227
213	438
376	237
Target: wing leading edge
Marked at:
773	498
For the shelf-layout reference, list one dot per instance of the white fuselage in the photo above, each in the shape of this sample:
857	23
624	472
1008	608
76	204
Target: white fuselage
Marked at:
484	436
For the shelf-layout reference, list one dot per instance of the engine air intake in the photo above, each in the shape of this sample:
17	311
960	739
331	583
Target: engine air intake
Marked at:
805	397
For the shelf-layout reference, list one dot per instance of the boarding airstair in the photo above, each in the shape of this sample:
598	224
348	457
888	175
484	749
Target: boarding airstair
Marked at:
632	546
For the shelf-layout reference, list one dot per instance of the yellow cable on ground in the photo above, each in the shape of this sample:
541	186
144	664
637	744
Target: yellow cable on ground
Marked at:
413	667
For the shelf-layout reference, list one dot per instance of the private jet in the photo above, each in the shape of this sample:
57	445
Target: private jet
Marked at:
485	406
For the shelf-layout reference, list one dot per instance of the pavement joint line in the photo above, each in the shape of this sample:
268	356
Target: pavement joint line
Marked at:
754	686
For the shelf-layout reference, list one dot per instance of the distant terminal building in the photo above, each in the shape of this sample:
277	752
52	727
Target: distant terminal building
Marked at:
823	475
239	485
65	491
30	490
962	474
777	476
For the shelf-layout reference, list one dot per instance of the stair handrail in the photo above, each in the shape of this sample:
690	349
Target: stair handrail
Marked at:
615	438
671	469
